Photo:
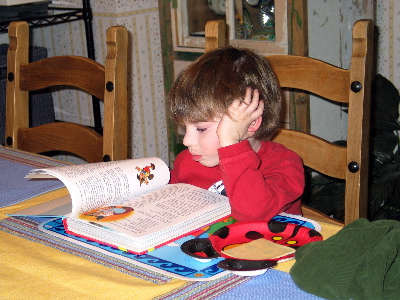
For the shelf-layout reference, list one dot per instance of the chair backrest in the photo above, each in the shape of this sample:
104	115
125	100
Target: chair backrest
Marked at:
352	87
108	83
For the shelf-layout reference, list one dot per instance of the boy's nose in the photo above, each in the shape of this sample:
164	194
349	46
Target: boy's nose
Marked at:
188	139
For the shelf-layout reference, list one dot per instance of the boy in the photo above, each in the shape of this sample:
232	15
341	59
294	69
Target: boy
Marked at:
229	102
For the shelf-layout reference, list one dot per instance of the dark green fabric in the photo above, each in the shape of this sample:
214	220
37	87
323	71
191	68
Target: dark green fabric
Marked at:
361	261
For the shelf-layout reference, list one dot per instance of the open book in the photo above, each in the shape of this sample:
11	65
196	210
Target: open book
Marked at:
130	205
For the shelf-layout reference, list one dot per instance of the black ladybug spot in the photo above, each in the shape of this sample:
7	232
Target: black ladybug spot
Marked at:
277	227
223	232
313	233
253	235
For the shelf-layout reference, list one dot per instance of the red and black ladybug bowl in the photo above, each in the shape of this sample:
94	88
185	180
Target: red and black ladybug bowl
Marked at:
287	234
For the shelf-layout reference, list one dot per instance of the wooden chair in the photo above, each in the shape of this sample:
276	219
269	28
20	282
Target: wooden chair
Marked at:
351	86
108	83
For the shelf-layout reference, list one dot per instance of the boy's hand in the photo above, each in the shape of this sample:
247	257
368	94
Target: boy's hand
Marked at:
234	128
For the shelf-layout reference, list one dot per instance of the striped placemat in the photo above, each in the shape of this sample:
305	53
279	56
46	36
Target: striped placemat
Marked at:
204	290
29	159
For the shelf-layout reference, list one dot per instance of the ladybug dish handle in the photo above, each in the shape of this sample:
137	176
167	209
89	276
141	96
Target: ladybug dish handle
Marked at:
199	249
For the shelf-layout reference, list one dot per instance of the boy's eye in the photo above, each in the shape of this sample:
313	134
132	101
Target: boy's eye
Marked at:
201	129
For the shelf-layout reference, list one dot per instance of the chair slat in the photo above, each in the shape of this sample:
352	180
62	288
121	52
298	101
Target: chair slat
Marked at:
75	71
47	138
312	75
317	153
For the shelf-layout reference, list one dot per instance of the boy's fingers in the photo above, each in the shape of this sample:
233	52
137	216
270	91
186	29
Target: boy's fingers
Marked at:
236	103
257	111
247	98
260	108
256	105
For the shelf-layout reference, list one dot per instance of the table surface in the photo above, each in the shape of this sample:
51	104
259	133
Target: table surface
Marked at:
32	270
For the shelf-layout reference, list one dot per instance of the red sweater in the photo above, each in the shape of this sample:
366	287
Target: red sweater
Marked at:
259	185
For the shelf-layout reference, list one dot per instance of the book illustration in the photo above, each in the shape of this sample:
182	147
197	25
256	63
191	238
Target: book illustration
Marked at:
145	174
108	213
209	230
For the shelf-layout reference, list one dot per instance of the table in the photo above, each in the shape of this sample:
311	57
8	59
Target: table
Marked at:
33	270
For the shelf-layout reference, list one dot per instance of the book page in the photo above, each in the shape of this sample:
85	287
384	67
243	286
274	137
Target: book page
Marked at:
97	184
156	211
57	207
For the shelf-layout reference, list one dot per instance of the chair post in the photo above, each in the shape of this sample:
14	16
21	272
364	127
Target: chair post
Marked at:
356	205
116	95
17	101
215	32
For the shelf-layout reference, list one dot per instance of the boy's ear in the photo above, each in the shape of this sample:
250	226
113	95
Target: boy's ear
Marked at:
253	127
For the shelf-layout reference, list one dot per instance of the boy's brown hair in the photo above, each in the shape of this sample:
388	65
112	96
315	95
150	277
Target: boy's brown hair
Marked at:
205	89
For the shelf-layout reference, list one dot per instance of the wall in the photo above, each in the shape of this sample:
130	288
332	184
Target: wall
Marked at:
388	50
145	81
330	32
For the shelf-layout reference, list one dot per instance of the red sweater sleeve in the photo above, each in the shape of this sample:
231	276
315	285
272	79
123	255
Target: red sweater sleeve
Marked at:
261	185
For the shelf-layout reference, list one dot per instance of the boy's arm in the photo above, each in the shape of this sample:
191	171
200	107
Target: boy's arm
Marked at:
261	187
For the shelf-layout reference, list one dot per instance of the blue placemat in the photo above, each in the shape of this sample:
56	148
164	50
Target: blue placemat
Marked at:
14	165
273	285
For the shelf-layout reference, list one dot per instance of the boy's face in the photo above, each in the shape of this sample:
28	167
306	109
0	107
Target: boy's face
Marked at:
202	140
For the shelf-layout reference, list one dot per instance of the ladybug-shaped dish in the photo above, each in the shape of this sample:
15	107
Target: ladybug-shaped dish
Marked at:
287	234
